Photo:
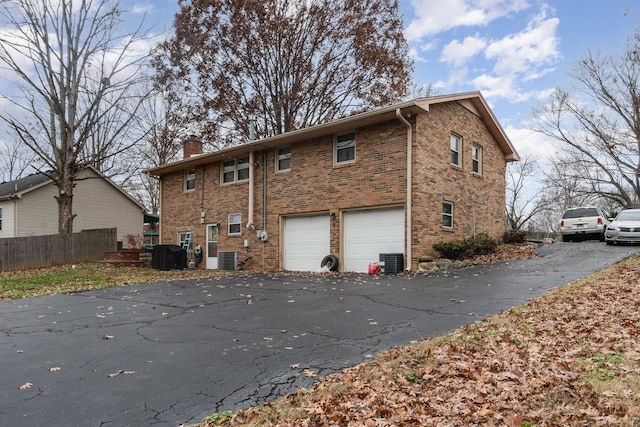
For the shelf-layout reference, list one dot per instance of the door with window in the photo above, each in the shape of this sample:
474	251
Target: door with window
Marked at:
212	246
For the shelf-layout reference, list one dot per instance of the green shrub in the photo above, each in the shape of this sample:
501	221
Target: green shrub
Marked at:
514	237
467	248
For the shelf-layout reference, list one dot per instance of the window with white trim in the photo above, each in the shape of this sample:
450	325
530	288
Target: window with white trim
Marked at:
235	224
344	148
185	240
476	159
447	214
235	170
189	180
456	146
283	159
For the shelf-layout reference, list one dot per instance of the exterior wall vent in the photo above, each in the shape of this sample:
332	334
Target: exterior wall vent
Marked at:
227	261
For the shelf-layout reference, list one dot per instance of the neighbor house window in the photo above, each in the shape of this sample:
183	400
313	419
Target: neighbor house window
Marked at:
189	179
345	148
0	218
456	145
283	160
476	159
235	223
447	214
235	170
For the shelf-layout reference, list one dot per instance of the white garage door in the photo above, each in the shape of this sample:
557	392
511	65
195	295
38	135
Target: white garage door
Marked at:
367	234
306	242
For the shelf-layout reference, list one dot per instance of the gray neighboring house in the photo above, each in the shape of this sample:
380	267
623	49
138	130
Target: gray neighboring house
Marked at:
28	206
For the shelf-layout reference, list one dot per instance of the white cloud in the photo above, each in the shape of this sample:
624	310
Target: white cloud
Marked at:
435	16
530	143
457	53
536	45
142	8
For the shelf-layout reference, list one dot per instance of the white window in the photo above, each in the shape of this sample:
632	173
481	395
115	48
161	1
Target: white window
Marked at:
235	224
189	180
345	148
243	169
283	159
235	170
185	240
476	159
447	214
456	145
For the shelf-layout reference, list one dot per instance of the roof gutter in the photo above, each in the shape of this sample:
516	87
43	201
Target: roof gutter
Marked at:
409	227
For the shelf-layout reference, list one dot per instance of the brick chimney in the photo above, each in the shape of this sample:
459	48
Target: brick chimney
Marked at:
192	147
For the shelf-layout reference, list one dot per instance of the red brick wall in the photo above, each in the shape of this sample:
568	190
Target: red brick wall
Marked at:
436	180
377	178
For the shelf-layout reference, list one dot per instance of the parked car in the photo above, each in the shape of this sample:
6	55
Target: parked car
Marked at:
581	223
624	228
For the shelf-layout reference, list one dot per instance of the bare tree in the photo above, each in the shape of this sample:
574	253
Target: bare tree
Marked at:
288	63
15	159
74	73
524	200
597	127
166	127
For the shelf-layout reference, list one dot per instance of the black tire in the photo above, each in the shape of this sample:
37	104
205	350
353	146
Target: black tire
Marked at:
609	242
565	239
331	262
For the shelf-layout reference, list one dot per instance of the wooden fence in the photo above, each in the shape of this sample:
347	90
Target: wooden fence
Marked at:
43	251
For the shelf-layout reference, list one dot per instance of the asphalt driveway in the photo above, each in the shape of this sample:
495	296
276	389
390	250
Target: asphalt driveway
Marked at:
172	353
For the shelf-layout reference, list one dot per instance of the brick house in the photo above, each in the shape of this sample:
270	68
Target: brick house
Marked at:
391	181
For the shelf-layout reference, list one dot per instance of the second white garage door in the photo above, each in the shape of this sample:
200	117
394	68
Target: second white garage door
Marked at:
306	242
369	233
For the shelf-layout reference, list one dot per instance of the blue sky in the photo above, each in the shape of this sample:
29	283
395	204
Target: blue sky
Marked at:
514	51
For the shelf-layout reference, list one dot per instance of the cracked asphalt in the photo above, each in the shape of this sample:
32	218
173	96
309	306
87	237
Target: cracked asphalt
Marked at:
165	354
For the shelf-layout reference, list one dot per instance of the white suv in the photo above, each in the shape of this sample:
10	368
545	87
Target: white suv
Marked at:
580	223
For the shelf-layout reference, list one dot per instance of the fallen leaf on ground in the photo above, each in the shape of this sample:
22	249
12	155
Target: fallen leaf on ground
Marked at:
25	386
115	374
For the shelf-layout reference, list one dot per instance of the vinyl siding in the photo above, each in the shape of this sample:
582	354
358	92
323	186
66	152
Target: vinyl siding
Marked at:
96	203
7	219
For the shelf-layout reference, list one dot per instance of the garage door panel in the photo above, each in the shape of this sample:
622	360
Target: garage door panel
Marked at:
369	233
306	242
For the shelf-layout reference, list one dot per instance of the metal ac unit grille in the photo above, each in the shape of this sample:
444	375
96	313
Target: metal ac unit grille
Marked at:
227	260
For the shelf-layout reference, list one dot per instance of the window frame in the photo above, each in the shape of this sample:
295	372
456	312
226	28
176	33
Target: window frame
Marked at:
337	149
476	159
237	222
446	214
279	157
457	151
190	178
240	165
181	239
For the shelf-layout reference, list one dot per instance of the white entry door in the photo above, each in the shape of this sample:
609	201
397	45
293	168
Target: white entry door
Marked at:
212	246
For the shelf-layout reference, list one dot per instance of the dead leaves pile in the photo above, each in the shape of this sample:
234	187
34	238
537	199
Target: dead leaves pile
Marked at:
506	253
569	358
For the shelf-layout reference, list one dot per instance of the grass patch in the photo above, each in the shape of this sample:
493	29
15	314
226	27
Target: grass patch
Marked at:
83	277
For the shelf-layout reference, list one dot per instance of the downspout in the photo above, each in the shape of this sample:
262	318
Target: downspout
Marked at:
264	203
252	136
409	228
250	225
